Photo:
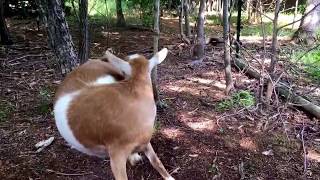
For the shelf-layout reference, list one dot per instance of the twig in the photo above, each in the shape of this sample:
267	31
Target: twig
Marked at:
304	152
25	56
68	174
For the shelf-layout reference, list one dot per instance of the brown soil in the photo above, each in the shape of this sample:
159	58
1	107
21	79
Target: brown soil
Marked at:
193	139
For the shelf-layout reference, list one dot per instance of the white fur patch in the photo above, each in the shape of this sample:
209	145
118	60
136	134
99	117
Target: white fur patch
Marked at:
170	178
60	114
134	158
133	56
108	79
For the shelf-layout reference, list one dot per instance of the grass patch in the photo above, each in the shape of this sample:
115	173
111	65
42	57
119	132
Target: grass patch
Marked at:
310	62
239	99
6	109
45	103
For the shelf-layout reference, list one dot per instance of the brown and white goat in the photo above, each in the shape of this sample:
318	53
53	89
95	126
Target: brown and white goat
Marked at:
117	118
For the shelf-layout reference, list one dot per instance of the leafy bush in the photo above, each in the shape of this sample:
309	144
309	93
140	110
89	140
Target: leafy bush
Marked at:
239	99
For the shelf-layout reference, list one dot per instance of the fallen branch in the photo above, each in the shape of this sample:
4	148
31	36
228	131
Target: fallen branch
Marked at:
68	174
281	88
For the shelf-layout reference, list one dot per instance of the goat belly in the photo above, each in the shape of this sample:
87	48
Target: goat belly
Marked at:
60	114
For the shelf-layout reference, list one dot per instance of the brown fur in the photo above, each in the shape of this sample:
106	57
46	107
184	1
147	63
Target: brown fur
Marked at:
119	116
85	74
99	105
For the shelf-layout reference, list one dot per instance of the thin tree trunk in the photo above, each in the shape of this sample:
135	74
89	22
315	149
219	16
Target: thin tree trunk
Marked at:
181	18
295	12
227	54
186	16
274	52
59	37
200	45
309	24
156	48
4	32
84	32
248	4
120	17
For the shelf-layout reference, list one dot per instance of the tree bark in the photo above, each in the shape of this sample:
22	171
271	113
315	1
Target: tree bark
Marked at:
200	45
186	17
309	24
59	37
227	54
181	15
274	52
4	32
156	48
120	17
84	32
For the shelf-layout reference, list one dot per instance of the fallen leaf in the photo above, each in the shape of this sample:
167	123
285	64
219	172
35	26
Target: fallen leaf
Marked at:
43	144
193	155
268	153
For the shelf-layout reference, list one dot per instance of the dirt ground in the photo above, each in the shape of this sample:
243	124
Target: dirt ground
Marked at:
193	139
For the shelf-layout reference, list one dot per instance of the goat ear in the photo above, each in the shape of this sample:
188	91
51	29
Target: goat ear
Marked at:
120	64
158	58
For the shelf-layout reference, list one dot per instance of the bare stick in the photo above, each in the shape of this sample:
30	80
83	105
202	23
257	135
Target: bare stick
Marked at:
68	174
304	152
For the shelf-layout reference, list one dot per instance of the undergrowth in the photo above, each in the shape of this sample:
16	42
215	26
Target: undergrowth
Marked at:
6	109
238	99
44	105
310	62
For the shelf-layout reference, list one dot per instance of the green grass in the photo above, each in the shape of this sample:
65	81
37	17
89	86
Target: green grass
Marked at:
45	103
310	62
238	99
102	13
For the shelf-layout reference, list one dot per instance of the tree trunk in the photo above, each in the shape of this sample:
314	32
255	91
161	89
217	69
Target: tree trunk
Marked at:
58	34
295	12
274	52
84	32
200	45
4	32
227	54
186	17
120	17
156	48
309	23
181	13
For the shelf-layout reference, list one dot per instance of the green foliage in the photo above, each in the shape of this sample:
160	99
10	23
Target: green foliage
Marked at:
5	110
310	62
145	10
302	8
44	105
239	99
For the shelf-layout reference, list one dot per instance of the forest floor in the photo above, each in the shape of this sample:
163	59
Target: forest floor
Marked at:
193	139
